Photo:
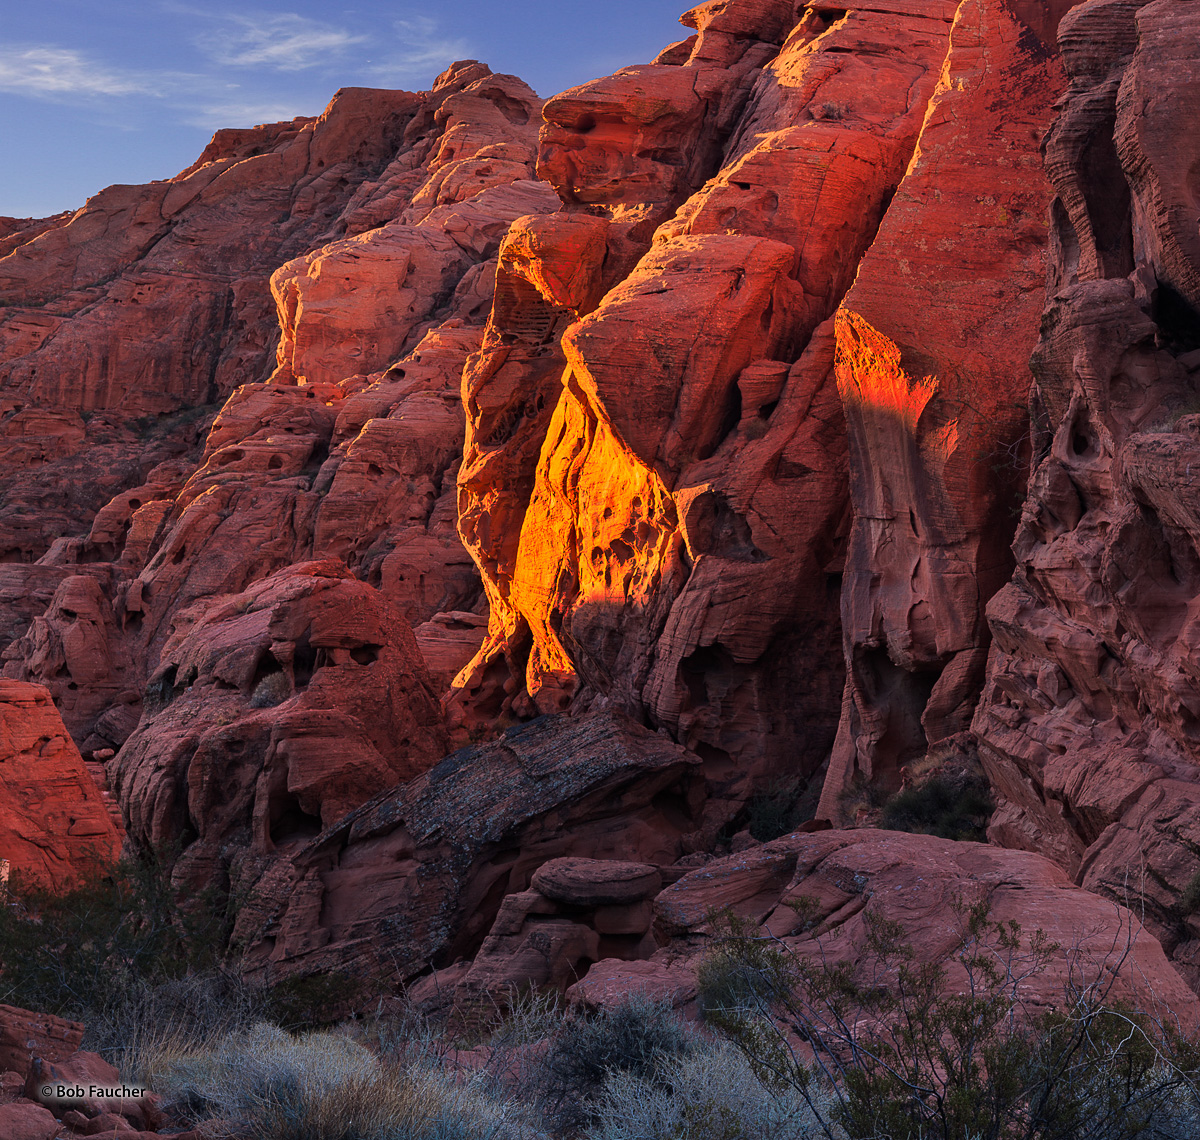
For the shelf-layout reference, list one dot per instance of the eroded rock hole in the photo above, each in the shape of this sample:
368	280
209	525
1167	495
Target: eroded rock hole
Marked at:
1082	443
512	109
504	426
306	661
290	823
522	313
1178	322
702	663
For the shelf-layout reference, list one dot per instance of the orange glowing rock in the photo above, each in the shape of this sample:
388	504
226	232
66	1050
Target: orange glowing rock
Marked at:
54	827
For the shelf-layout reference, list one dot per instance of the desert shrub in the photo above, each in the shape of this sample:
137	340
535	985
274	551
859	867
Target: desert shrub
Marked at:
68	953
1189	897
741	974
755	428
323	1086
400	1035
710	1093
776	810
319	999
157	426
942	806
525	1016
886	1049
272	690
636	1037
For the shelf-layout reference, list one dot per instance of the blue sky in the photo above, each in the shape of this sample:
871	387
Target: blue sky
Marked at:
94	92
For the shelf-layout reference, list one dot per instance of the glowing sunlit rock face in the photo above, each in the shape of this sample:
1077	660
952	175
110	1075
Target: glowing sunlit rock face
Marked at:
55	829
688	526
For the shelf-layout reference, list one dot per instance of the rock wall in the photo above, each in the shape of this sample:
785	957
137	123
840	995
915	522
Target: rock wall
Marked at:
685	416
862	264
931	362
1088	722
299	463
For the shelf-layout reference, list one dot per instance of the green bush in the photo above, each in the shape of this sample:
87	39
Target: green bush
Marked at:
1189	897
272	690
942	806
68	954
319	999
636	1037
894	1051
777	810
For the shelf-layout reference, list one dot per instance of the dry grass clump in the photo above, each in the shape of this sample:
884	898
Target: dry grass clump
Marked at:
272	1085
147	1028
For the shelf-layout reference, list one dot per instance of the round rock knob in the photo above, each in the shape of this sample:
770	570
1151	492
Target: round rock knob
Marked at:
596	882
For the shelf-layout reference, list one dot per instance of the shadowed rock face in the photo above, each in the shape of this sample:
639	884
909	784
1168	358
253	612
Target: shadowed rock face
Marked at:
1088	719
270	717
416	877
931	362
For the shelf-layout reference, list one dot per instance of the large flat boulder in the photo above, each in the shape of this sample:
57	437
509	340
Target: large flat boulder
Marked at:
417	876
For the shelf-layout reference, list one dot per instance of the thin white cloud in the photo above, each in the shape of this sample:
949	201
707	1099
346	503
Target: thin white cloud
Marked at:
421	47
215	116
285	42
52	72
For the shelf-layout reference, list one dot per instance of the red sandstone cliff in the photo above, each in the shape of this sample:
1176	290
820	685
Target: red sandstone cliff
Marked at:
690	409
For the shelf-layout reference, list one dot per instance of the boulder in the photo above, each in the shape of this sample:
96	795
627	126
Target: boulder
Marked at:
25	1121
25	1035
90	1070
54	827
595	882
818	895
275	712
419	876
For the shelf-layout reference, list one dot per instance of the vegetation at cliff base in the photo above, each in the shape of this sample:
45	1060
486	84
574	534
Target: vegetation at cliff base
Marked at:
893	1047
